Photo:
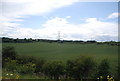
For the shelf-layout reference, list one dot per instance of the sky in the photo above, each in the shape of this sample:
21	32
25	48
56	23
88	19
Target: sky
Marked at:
73	19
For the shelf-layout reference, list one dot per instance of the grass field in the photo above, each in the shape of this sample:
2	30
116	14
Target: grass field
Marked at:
65	51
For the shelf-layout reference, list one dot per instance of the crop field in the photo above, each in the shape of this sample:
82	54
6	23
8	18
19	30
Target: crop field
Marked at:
66	51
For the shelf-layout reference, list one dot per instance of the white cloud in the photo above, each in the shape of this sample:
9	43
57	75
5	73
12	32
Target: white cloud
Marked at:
7	25
68	17
17	8
114	15
92	28
12	10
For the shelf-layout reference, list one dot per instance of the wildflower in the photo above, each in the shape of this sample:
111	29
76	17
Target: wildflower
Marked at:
108	77
111	78
101	77
7	74
11	74
98	78
17	76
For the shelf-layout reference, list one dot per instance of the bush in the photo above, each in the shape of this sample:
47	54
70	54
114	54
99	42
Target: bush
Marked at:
70	65
26	59
103	68
54	69
26	68
39	65
9	52
11	65
80	68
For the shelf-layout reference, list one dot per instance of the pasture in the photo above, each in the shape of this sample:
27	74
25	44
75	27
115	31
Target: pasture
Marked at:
66	51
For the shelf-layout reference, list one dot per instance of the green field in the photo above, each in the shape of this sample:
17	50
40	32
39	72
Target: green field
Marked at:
66	51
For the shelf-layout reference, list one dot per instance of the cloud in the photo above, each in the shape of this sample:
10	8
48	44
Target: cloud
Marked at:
12	10
20	8
68	17
16	8
91	29
7	25
114	15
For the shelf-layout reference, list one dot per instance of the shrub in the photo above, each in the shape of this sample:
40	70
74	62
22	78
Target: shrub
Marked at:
26	68
11	65
26	59
70	68
103	68
39	65
54	69
9	52
80	68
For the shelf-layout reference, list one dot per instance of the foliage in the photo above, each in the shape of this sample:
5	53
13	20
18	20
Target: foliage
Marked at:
70	68
9	52
28	68
39	65
26	59
54	69
80	68
11	65
104	68
11	76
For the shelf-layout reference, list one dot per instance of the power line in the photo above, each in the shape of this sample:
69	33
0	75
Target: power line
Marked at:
58	35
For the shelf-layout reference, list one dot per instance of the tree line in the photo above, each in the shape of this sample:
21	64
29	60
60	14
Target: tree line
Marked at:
30	40
82	68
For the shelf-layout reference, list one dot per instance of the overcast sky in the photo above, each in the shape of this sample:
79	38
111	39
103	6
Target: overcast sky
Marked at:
43	19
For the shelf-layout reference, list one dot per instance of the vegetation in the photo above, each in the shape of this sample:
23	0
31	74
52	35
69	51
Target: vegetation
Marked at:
65	60
30	40
104	68
80	68
54	70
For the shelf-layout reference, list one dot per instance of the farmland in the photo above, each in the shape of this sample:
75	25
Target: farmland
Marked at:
67	51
